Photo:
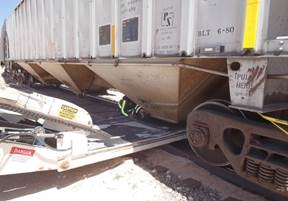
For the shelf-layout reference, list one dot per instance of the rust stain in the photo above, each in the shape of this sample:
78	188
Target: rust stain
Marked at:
65	165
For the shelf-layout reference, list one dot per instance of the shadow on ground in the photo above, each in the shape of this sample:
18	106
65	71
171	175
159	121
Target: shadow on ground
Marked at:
14	186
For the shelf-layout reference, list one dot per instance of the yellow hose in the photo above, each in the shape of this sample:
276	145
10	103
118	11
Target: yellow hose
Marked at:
276	122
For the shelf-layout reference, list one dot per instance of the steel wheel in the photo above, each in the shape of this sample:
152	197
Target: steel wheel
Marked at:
201	138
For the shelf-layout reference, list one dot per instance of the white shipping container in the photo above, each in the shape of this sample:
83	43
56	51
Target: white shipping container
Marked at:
10	34
59	29
106	27
220	26
231	26
17	44
49	29
2	41
69	29
174	27
18	34
82	32
72	28
36	30
29	29
22	31
42	31
24	28
155	27
135	27
167	19
14	36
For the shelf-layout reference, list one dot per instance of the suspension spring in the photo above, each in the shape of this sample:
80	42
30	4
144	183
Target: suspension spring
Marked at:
266	174
281	180
252	168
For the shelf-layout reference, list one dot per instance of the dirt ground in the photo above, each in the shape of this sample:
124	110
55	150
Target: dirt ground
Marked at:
154	175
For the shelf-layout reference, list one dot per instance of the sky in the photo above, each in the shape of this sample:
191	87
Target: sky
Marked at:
6	8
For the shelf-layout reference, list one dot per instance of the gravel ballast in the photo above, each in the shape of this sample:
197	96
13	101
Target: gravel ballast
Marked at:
154	175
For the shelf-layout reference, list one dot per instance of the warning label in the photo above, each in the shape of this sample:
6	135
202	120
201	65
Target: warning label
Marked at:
22	151
68	112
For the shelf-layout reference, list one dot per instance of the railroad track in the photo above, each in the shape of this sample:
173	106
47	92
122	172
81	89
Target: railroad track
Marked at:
183	149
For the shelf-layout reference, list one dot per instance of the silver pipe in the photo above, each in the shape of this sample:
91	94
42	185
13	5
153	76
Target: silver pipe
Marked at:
277	76
203	70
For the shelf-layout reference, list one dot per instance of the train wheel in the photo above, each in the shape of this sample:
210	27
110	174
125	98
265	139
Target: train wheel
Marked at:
202	139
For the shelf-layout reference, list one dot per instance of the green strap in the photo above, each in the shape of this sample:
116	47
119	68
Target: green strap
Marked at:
123	109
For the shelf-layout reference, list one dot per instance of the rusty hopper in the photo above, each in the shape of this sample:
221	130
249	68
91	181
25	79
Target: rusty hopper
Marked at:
166	91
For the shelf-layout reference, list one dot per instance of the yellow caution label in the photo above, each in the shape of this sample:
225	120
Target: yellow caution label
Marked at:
251	23
113	37
68	112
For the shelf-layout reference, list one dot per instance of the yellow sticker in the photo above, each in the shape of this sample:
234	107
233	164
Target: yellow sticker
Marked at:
68	112
113	40
251	24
